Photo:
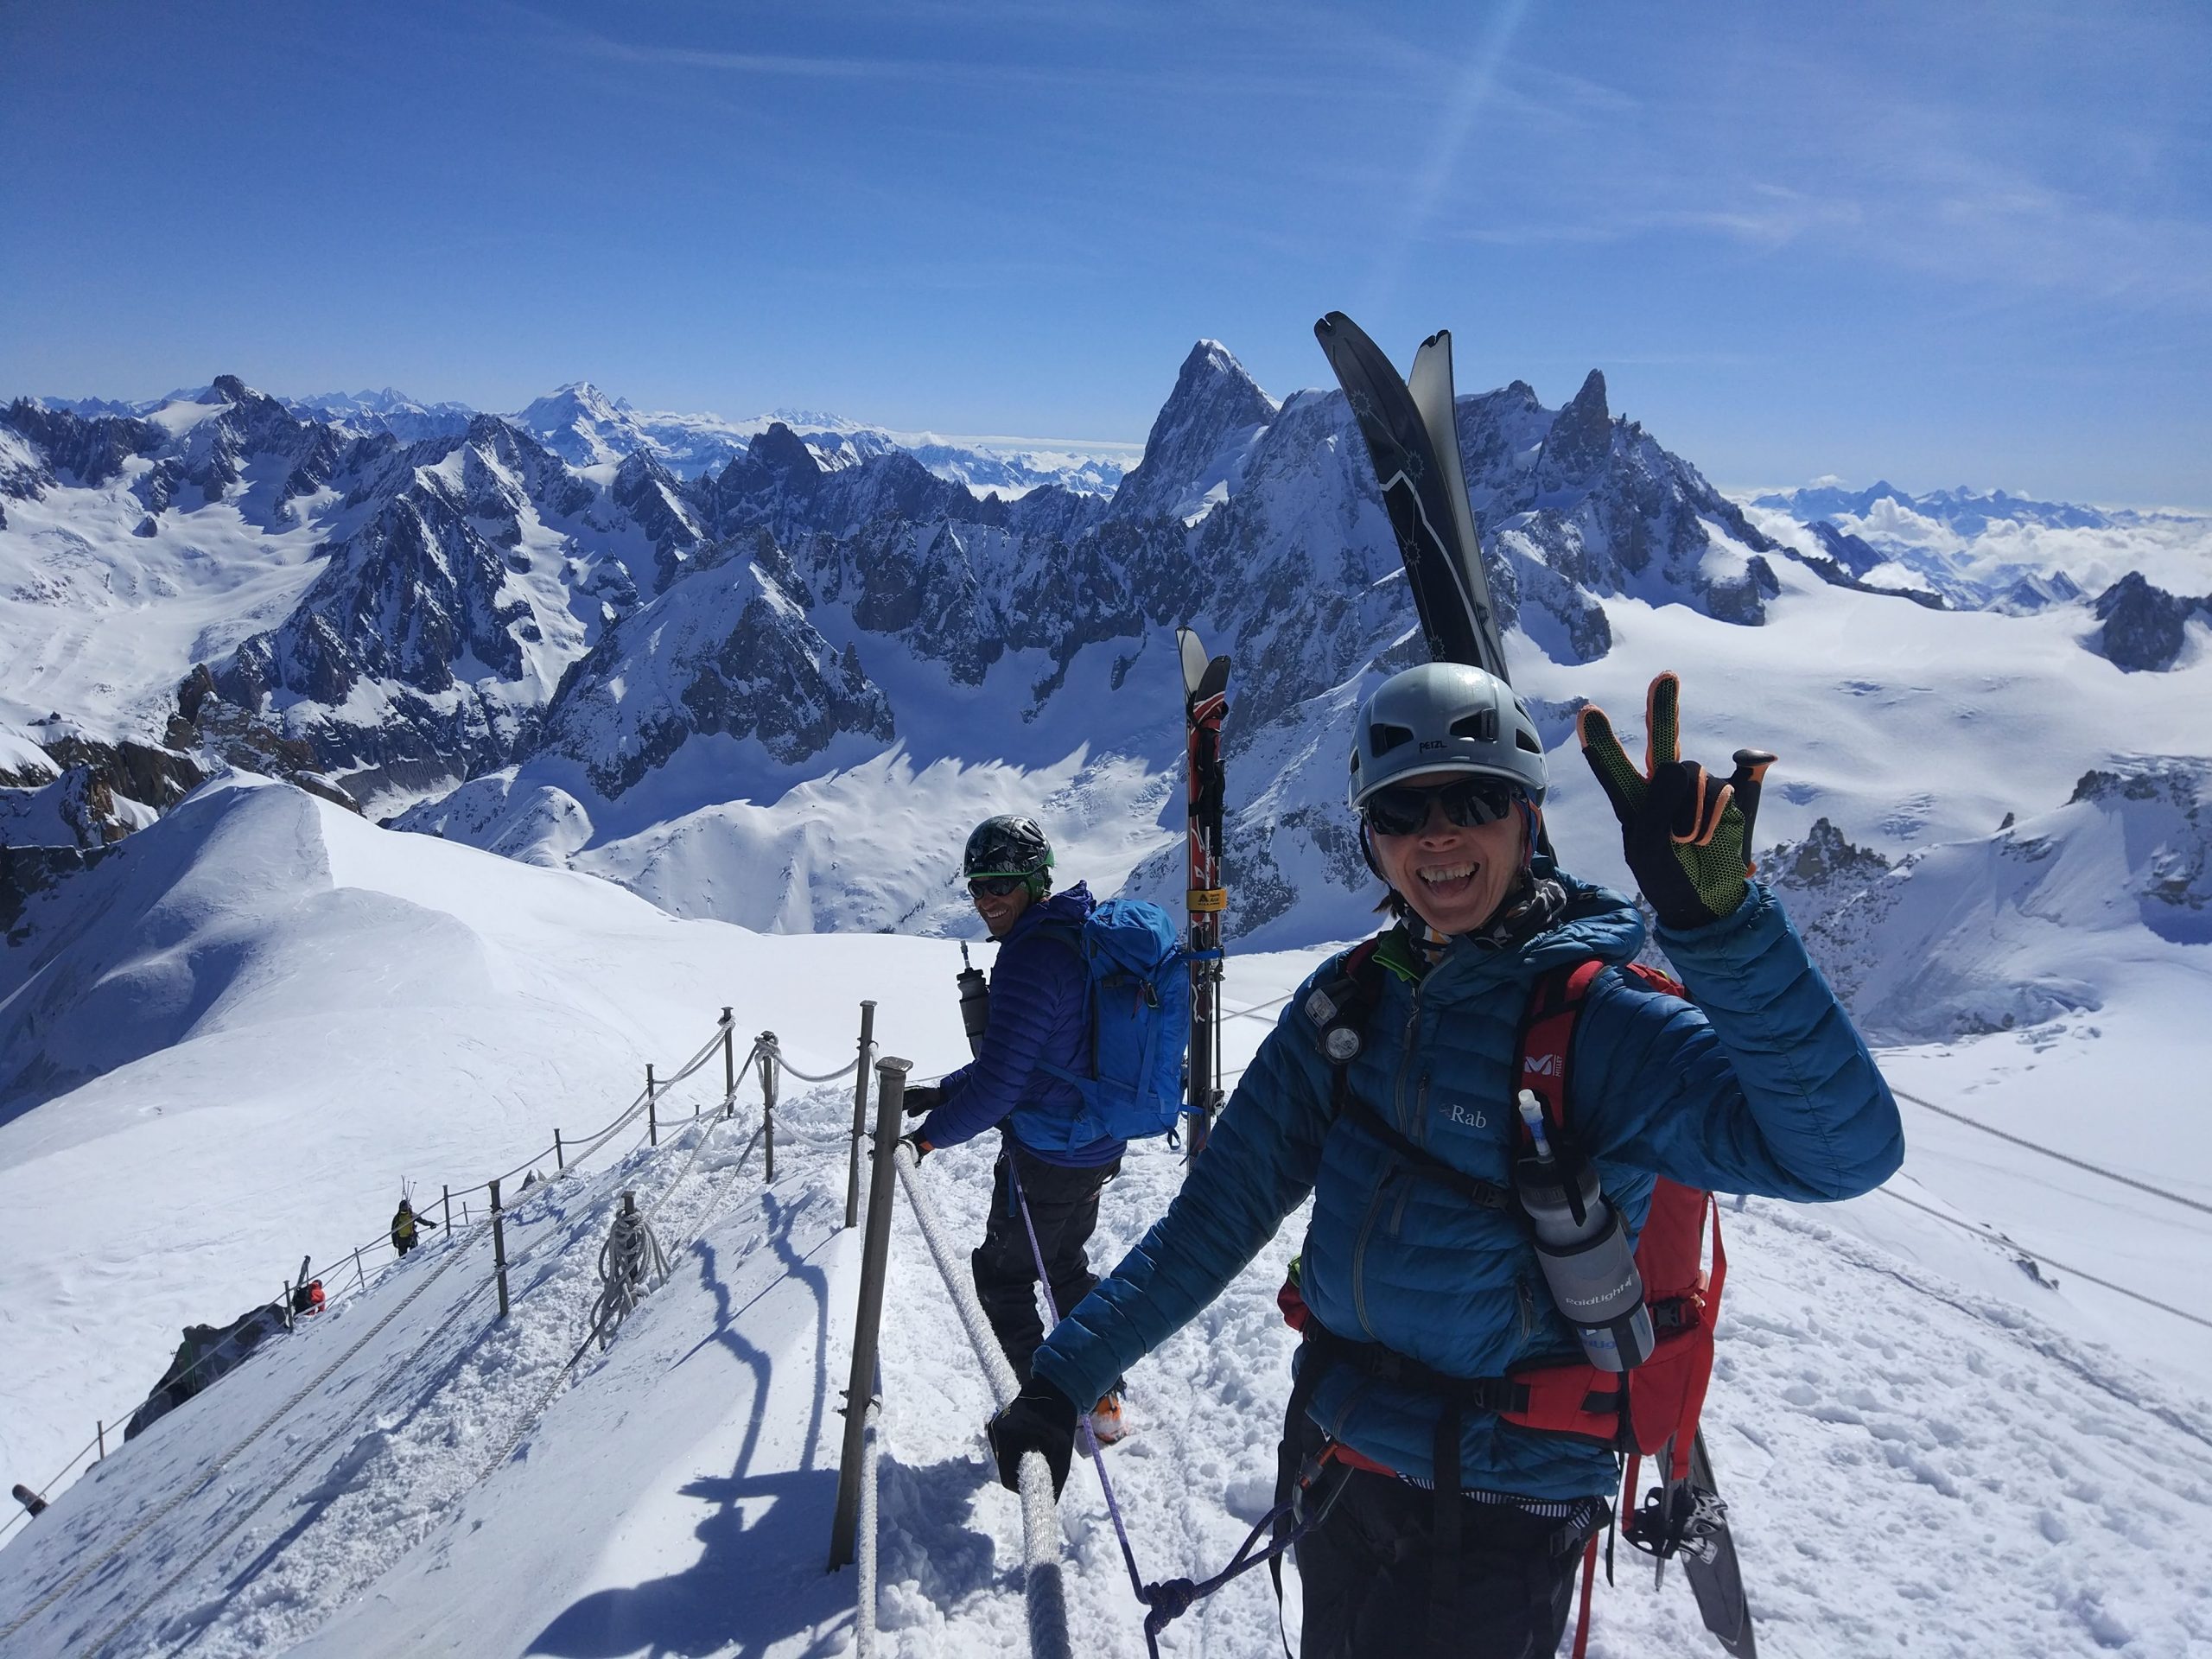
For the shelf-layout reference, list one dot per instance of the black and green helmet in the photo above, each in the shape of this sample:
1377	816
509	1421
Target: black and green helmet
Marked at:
1010	846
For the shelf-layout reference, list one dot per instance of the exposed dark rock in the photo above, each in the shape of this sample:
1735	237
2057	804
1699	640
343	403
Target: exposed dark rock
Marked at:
1580	439
87	453
26	872
2144	625
1844	560
749	663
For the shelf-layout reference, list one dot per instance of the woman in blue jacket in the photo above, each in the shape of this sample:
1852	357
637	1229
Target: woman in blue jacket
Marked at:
1762	1086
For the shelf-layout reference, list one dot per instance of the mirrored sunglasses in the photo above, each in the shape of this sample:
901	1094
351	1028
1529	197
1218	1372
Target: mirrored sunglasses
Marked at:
1402	809
996	886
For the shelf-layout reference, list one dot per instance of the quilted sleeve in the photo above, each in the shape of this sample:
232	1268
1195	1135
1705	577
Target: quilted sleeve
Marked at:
1036	1006
1761	1085
1259	1165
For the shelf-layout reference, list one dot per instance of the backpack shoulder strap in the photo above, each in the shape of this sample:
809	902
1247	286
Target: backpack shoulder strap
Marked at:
1340	1006
1066	929
1341	1003
1544	1053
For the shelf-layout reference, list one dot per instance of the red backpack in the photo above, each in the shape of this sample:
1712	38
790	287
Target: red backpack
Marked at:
1664	1394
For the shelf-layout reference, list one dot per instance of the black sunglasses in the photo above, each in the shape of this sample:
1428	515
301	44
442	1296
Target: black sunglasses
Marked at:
1402	809
996	886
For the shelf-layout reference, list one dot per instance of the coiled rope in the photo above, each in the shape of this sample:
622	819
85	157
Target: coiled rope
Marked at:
545	1398
630	1255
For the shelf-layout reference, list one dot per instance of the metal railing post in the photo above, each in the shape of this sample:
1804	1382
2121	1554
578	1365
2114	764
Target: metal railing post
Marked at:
875	1252
653	1110
445	1198
360	1279
859	1115
99	1434
499	1249
729	1063
768	1106
560	1158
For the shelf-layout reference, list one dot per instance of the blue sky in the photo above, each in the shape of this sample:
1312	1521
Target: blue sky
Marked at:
1948	244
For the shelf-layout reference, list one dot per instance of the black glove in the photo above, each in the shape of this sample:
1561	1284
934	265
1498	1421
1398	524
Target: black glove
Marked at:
923	1097
921	1147
1685	833
1041	1418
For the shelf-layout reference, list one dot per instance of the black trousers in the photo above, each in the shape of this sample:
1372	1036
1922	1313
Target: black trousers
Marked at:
1366	1570
1063	1206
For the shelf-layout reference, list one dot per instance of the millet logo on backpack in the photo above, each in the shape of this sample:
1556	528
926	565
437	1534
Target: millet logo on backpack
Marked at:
1544	1065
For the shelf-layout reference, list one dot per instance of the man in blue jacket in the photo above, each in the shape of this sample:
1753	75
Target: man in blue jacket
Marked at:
1039	1021
1761	1085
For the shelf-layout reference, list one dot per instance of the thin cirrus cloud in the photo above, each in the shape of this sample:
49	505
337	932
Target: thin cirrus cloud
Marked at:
1903	185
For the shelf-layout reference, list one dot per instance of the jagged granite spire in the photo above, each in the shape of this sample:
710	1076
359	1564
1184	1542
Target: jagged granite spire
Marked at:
2145	627
1580	438
1198	437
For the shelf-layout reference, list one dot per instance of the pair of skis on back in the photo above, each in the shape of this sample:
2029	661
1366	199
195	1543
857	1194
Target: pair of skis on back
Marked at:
1412	435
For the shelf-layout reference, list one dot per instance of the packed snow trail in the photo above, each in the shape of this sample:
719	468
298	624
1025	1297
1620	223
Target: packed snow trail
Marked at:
731	1357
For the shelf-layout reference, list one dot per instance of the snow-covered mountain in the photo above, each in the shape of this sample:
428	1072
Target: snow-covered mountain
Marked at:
586	427
388	410
613	661
1988	550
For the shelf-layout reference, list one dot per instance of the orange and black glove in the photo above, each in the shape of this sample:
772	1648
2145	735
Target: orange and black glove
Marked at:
1686	834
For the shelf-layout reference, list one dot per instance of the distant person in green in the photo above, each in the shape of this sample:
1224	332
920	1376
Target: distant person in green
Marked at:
404	1221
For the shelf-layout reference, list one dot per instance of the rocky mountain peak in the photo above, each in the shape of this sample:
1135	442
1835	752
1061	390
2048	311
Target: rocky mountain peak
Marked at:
1213	412
2144	625
783	451
565	403
1582	435
224	389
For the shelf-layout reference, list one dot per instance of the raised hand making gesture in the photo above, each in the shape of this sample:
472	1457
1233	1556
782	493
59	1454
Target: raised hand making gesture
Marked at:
1685	833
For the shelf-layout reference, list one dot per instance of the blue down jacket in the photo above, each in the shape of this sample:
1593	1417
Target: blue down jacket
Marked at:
1041	1011
1763	1087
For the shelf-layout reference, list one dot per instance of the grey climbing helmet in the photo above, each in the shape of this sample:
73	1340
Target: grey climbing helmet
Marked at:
1445	717
1008	846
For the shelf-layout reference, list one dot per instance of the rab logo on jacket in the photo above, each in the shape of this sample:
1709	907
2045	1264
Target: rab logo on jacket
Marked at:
1544	1065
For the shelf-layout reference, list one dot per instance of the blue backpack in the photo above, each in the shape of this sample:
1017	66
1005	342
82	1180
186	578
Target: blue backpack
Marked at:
1140	996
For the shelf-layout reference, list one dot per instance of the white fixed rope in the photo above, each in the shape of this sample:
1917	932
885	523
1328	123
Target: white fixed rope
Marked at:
1040	1518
